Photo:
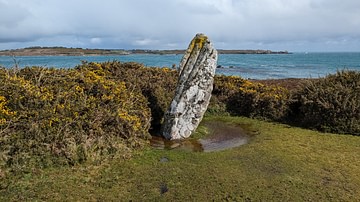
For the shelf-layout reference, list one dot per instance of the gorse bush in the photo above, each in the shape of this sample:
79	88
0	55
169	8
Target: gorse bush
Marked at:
97	111
100	110
156	84
331	104
51	116
252	99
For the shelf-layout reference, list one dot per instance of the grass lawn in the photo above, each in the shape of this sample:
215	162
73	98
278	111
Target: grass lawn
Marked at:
281	163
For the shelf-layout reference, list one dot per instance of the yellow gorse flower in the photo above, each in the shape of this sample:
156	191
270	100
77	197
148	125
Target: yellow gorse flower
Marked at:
5	112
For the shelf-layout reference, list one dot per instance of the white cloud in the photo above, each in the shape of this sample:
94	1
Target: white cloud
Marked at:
145	42
95	40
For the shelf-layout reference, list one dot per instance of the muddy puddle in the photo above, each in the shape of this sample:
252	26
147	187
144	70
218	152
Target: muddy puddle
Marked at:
221	136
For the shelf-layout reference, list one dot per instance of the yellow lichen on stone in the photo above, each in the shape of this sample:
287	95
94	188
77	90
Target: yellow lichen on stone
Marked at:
199	41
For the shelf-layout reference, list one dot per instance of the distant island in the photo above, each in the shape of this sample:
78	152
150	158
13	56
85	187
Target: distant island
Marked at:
63	51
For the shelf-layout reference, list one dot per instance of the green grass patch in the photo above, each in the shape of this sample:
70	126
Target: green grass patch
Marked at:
281	163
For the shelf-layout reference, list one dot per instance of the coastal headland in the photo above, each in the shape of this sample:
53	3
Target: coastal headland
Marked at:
42	51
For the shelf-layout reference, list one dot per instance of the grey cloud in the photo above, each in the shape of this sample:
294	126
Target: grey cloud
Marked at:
11	15
171	24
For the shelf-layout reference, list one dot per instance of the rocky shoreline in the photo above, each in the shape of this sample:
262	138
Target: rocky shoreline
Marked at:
63	51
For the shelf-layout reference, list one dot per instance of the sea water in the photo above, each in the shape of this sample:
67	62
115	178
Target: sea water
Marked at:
254	66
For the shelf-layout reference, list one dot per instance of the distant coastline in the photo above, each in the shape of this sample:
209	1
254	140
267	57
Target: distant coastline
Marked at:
63	51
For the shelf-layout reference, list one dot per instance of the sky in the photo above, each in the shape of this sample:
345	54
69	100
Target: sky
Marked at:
293	25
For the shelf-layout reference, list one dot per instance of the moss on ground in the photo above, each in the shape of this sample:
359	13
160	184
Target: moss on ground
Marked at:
281	163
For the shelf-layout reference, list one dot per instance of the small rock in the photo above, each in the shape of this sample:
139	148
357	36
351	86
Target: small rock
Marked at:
164	160
163	188
174	145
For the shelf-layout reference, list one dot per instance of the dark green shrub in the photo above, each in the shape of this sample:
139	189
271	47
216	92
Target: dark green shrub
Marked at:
251	99
331	104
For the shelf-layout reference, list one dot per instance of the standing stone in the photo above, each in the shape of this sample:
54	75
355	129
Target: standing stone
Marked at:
193	92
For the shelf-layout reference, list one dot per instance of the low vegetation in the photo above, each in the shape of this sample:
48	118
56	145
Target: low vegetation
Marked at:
282	163
54	120
252	99
156	84
331	104
40	51
52	116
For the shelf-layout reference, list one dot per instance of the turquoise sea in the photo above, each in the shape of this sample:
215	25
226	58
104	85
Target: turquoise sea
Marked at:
268	66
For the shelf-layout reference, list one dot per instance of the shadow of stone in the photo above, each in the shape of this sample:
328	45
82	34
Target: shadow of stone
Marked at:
157	113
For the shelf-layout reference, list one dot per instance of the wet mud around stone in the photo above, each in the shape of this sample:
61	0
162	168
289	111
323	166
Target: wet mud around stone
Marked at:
220	136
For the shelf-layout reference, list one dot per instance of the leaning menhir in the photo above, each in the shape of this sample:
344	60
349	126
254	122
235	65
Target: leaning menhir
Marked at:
193	92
